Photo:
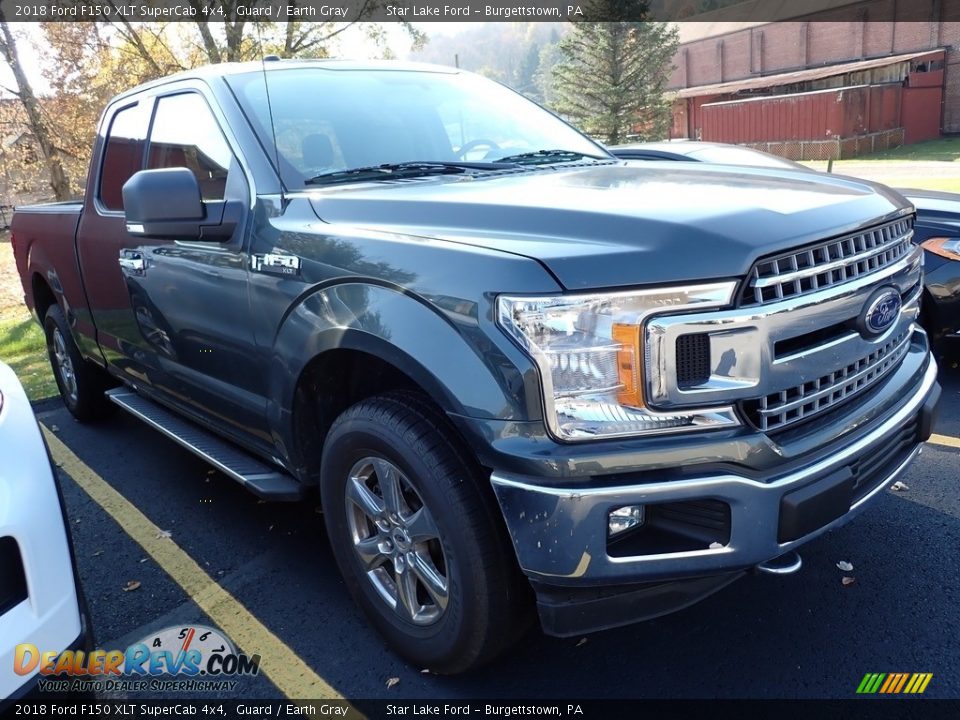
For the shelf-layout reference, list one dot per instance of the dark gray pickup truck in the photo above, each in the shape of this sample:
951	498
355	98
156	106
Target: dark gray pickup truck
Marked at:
521	372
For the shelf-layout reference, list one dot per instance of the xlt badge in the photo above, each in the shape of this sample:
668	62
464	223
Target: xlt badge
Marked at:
276	264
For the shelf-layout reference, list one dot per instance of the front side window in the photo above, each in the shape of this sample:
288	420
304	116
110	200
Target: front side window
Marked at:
329	119
122	153
186	135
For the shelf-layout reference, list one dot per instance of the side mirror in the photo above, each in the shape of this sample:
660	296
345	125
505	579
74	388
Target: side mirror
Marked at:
166	204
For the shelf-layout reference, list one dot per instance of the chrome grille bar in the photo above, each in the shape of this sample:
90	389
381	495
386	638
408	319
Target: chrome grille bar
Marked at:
828	263
786	407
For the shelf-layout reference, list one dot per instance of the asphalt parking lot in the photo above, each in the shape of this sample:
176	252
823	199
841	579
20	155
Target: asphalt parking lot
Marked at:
803	636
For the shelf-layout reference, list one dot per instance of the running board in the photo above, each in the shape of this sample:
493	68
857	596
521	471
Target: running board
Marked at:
257	476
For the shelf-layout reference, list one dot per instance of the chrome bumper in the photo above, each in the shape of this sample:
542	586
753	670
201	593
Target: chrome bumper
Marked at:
560	534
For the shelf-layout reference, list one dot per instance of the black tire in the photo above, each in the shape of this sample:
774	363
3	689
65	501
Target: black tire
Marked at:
487	602
81	383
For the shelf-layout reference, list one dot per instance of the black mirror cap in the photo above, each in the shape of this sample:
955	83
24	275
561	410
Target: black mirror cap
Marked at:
163	195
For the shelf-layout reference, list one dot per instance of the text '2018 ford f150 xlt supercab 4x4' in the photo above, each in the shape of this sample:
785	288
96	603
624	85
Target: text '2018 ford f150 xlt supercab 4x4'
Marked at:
522	373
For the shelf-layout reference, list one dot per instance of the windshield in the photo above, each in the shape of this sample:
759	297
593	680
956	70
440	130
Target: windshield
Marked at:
329	120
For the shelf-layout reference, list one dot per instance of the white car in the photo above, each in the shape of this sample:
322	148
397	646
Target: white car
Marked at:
40	600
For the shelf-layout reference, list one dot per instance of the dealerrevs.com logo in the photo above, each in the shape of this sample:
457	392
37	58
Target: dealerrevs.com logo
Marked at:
176	658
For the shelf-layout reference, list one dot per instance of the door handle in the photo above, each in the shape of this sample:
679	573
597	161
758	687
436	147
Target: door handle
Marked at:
132	261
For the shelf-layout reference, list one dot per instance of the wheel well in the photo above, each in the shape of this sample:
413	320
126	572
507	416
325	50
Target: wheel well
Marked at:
43	296
329	385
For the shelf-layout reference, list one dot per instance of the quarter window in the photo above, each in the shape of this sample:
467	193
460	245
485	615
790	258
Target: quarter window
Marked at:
186	135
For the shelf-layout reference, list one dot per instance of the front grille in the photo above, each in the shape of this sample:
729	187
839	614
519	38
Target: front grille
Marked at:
13	584
781	409
827	263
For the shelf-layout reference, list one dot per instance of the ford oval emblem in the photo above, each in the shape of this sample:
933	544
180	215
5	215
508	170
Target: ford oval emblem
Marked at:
881	312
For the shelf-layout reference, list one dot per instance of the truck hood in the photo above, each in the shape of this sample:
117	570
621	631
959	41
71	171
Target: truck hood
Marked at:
616	225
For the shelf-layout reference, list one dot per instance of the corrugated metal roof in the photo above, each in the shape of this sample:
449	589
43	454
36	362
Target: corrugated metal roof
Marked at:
797	76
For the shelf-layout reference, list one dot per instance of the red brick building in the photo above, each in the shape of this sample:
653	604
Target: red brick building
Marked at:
841	85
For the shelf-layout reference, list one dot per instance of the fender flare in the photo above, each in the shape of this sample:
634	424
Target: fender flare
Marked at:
448	355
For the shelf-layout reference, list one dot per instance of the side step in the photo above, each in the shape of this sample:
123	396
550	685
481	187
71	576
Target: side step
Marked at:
258	477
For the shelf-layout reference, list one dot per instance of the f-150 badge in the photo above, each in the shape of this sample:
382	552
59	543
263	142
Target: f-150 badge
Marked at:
276	264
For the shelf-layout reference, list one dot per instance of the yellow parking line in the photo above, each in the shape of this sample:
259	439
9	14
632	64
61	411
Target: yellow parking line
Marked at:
945	440
281	664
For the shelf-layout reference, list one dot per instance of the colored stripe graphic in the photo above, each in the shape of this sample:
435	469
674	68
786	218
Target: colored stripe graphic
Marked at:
894	683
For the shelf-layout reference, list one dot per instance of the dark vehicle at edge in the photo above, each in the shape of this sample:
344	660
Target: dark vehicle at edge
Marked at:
522	373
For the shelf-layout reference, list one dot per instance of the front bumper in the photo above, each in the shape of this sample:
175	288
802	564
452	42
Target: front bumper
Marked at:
560	532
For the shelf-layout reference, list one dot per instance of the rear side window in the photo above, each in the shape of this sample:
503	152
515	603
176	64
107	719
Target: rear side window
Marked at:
122	154
186	135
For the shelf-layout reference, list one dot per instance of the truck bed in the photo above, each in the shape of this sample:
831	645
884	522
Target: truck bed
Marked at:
44	247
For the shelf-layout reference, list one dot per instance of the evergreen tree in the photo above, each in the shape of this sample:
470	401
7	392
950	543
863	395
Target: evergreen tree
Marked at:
611	77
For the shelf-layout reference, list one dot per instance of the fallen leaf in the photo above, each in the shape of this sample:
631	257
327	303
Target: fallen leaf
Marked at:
845	566
582	641
131	586
847	580
392	681
163	534
715	545
899	486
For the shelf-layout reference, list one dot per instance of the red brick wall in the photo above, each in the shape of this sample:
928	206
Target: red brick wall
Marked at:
785	46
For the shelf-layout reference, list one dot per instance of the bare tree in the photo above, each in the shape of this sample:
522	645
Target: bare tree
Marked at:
51	156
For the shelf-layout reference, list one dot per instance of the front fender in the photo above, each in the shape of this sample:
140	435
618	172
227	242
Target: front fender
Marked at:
453	351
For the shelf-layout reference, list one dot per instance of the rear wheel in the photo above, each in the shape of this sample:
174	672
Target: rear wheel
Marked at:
416	539
81	383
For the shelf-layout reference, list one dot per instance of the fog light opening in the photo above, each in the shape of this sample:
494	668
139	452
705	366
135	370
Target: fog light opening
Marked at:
623	519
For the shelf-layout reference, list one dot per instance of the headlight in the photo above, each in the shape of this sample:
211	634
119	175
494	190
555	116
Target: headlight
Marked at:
590	351
948	248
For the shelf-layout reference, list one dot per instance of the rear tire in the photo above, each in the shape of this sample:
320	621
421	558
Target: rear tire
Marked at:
81	383
428	563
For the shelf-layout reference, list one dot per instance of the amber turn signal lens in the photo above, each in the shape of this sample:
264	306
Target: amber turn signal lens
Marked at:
628	364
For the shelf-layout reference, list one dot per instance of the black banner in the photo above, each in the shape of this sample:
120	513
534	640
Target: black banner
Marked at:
477	10
875	709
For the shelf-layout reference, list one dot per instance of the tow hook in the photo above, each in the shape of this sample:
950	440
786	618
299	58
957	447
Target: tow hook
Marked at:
786	564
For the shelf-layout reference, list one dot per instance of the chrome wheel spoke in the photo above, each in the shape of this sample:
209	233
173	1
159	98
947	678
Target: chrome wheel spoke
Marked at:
369	551
361	496
389	486
407	604
421	527
433	581
64	364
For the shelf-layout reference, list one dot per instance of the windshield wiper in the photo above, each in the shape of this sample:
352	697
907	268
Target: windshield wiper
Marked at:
402	170
548	156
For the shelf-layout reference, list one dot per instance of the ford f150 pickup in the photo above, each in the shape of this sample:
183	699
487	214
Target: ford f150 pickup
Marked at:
523	374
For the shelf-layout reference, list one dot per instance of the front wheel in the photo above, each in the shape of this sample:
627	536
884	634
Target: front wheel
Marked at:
415	538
